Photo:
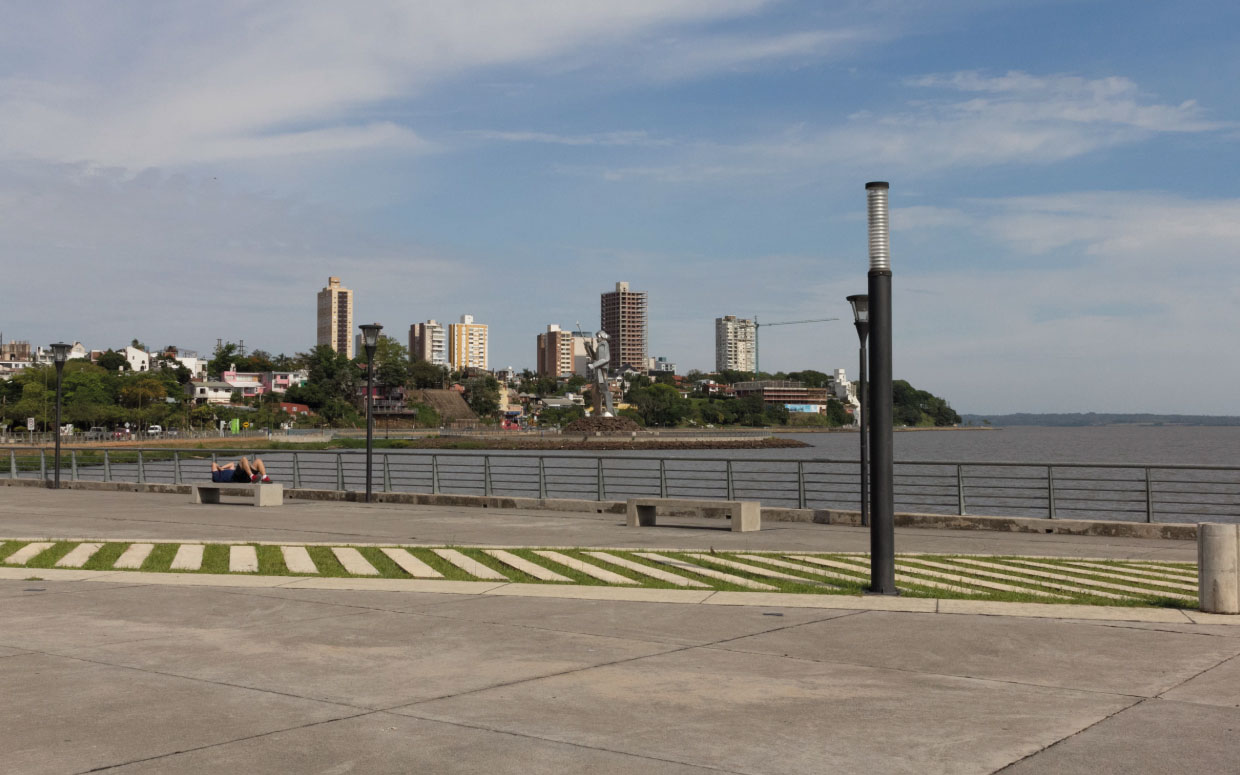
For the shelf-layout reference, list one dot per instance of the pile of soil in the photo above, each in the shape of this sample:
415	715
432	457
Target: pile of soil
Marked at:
602	425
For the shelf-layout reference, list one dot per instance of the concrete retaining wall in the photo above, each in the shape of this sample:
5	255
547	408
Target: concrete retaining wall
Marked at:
1165	530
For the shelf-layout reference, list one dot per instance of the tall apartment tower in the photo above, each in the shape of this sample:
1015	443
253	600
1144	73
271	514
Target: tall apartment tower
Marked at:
428	342
623	316
562	353
734	343
336	317
467	344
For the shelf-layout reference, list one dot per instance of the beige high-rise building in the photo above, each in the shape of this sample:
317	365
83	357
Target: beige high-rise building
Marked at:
428	342
563	353
735	343
623	316
467	344
336	317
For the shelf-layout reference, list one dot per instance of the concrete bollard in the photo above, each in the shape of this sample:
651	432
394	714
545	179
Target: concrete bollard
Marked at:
1218	568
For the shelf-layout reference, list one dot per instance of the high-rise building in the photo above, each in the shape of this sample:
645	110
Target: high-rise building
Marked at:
734	343
336	317
563	353
467	344
623	316
428	342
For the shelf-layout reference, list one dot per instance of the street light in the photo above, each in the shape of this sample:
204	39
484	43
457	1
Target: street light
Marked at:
370	334
861	319
60	353
882	512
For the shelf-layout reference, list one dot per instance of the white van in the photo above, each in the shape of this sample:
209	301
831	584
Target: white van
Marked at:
155	431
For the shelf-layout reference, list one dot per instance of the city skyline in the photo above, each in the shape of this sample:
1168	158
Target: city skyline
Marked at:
1061	214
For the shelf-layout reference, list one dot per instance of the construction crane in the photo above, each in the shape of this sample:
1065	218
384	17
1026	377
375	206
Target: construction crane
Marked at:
757	326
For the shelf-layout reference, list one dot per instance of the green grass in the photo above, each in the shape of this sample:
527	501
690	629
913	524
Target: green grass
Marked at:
160	558
106	557
48	557
271	562
327	563
8	547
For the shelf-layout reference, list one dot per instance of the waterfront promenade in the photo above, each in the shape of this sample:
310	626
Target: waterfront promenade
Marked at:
146	676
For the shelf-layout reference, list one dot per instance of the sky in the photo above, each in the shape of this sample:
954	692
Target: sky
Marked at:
1065	206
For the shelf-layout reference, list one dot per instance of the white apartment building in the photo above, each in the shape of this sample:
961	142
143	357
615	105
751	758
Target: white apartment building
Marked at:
735	343
429	342
467	344
335	317
138	360
846	393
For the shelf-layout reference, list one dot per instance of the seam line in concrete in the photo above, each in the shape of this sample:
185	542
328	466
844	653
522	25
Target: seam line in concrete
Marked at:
1082	730
1198	674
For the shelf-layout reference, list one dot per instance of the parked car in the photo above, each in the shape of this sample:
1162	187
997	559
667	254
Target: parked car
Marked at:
95	434
155	431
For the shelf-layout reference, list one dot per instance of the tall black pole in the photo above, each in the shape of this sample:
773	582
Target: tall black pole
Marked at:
882	514
865	442
60	367
370	415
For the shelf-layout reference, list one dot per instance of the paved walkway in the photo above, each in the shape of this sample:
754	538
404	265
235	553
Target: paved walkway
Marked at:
140	677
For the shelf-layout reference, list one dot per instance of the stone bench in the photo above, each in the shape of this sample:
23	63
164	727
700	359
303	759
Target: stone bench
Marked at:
264	494
746	516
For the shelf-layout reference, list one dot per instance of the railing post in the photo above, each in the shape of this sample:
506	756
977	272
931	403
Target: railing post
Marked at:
801	484
434	474
296	471
731	489
1149	497
662	477
339	472
387	474
486	474
960	489
43	465
141	468
602	488
73	465
542	477
107	467
1050	492
176	468
12	464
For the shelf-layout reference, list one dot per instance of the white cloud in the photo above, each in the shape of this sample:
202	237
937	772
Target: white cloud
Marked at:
617	138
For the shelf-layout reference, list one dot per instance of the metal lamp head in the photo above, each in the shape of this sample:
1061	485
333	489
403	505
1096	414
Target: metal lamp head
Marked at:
60	352
880	248
861	308
370	336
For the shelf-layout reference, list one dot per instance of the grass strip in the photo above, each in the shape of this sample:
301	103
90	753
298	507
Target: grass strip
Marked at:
327	563
106	557
387	568
8	547
214	559
576	577
271	562
507	570
160	558
450	572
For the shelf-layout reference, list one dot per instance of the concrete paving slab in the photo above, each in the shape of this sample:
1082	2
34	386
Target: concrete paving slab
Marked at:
764	714
525	566
1152	738
410	564
1138	575
593	571
701	570
27	553
646	570
133	557
470	565
1218	686
373	658
1012	576
1045	571
114	614
65	715
757	570
688	625
242	559
354	562
78	555
378	600
188	557
1068	656
185	579
49	574
387	744
298	560
1200	617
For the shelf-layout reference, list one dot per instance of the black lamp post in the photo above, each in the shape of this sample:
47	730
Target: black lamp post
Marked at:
861	319
60	353
370	334
882	470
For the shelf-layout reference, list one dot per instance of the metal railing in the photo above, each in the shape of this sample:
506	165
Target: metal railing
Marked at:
1147	493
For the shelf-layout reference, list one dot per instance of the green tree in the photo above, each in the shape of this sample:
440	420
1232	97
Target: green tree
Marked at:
392	367
425	375
660	404
482	395
112	361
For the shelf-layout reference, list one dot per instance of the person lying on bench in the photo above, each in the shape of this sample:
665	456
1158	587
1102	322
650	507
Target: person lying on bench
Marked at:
242	472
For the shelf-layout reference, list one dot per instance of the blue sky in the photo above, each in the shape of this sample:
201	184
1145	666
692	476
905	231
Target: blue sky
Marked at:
1065	208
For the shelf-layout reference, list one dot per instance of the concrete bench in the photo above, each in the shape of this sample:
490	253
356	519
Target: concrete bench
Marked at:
746	516
264	494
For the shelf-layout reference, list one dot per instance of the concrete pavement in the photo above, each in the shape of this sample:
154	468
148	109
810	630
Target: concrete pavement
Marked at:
134	677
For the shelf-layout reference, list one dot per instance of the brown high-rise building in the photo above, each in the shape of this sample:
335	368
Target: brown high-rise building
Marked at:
623	316
336	317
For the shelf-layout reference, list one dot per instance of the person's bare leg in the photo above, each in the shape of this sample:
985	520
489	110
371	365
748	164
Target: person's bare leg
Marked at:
215	467
260	466
244	463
